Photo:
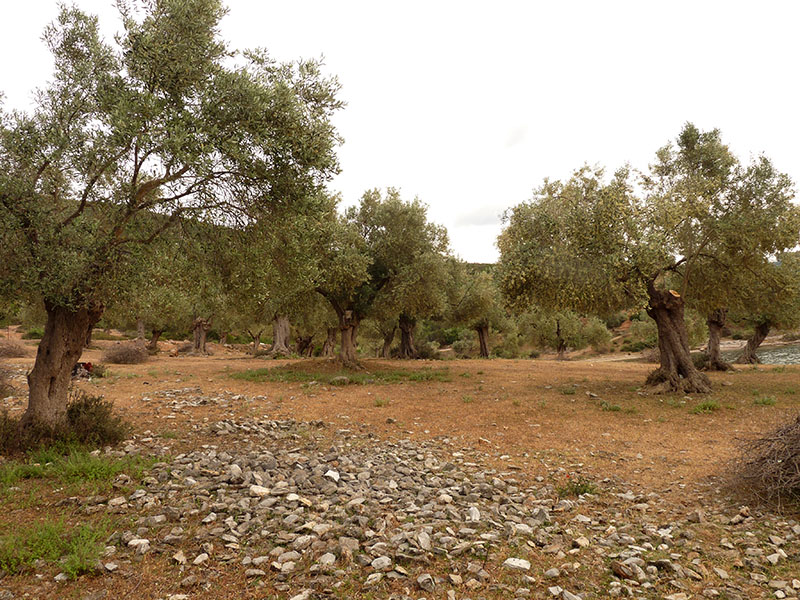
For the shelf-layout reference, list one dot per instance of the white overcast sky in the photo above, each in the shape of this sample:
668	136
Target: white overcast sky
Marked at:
469	105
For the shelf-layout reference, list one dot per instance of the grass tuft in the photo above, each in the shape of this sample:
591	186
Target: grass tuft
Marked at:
706	407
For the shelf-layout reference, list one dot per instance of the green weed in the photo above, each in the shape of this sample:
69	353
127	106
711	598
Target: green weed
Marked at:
765	401
705	407
77	548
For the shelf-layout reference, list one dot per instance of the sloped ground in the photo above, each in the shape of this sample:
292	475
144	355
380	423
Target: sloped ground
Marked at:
472	479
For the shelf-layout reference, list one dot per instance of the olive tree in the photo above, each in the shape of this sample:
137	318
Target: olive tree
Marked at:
592	245
166	121
773	302
383	250
474	301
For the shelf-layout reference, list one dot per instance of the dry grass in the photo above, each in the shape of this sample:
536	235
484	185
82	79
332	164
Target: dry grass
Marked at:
12	349
126	353
769	466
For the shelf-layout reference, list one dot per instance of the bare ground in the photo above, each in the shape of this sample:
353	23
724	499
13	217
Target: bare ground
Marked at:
539	418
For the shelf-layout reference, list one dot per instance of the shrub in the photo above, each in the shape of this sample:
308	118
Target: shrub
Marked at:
91	420
126	353
769	466
597	335
34	333
12	349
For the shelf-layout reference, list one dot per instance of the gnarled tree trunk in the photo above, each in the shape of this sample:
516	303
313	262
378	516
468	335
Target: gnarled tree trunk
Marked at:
152	346
256	337
140	328
388	338
280	336
329	347
61	346
305	346
748	355
348	325
407	327
713	361
677	372
200	328
483	340
223	338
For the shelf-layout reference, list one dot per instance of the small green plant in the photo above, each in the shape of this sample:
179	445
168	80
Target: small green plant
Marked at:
568	390
78	549
576	485
779	369
605	406
516	402
467	399
381	402
706	407
465	374
765	401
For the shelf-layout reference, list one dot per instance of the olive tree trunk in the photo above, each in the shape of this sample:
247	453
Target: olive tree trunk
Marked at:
748	355
348	326
561	345
305	345
407	327
483	340
256	337
140	328
152	346
200	328
329	347
280	336
676	372
713	361
388	339
65	334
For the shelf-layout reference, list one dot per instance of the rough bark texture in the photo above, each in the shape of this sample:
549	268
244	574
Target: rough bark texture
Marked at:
677	372
140	328
748	355
388	338
407	327
280	336
713	361
305	345
152	346
61	346
348	325
329	347
200	327
483	340
223	338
